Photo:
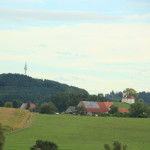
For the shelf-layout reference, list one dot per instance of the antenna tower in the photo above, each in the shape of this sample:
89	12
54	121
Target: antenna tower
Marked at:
25	68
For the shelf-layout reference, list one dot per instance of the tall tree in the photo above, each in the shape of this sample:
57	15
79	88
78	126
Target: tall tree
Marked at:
1	103
28	106
16	103
131	92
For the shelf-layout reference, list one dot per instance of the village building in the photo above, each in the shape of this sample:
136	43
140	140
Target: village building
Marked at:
24	106
70	110
95	107
99	107
128	99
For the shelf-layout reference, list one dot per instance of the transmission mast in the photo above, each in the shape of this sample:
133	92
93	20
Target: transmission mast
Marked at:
25	69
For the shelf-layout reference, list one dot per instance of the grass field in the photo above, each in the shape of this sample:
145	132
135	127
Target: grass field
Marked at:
82	133
121	105
12	118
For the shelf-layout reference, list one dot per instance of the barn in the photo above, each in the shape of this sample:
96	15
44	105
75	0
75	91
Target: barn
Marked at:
95	107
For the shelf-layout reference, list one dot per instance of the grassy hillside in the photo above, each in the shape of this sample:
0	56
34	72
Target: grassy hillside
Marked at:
121	105
25	88
12	118
82	133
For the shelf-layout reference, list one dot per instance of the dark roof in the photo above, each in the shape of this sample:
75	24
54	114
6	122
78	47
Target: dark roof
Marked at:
71	109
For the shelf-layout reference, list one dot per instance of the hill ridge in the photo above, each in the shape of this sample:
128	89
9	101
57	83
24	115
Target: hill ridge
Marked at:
26	88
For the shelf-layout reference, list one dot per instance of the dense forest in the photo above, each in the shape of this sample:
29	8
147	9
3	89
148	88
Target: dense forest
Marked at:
28	89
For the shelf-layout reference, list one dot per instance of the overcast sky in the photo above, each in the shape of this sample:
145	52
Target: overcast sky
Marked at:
98	45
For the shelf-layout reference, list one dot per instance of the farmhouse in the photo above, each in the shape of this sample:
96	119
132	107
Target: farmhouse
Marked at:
24	106
95	107
128	99
99	107
70	110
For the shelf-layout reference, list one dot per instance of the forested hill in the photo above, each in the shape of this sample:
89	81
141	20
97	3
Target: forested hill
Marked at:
25	88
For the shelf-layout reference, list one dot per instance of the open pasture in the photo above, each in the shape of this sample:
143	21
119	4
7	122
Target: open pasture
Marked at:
122	105
82	132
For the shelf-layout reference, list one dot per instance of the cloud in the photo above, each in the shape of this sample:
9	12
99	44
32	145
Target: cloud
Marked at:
89	56
139	4
138	17
23	1
20	15
95	43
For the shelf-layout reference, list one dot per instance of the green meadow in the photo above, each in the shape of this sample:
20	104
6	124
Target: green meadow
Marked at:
82	132
122	105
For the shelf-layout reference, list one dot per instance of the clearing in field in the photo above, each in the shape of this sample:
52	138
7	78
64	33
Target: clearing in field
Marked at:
12	118
82	132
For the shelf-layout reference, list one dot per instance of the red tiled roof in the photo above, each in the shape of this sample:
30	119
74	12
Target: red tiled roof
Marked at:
108	104
123	110
131	97
31	105
103	107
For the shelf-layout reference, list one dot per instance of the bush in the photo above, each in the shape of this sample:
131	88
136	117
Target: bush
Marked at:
2	138
113	109
139	109
44	145
104	114
9	104
116	146
47	108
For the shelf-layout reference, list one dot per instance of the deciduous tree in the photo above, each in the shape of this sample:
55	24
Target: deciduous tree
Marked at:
131	92
113	109
139	109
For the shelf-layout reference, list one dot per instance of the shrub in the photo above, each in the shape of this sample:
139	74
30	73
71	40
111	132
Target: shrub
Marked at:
116	146
2	138
47	108
104	114
113	109
44	145
9	104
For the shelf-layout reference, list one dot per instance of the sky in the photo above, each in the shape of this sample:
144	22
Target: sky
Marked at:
98	45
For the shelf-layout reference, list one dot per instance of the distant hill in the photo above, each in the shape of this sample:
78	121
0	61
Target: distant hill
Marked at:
25	88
